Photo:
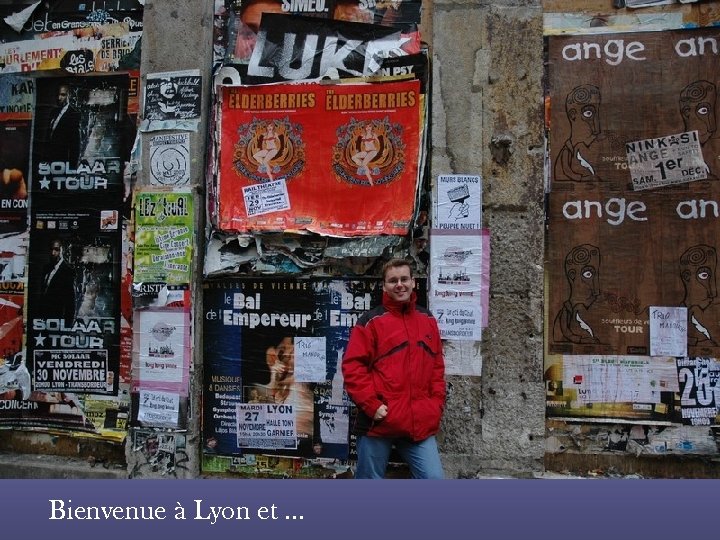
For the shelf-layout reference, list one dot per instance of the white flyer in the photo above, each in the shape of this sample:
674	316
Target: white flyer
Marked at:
266	426
310	359
664	161
170	160
266	198
158	408
668	331
459	202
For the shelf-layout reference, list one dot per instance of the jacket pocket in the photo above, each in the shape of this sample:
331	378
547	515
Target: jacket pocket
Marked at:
427	418
388	369
395	424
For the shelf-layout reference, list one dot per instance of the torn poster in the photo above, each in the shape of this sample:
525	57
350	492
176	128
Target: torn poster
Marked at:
17	95
463	360
244	18
17	20
614	379
300	48
602	387
161	451
50	411
61	35
14	169
109	414
13	257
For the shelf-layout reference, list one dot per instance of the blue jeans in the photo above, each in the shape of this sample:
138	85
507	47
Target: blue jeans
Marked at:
422	457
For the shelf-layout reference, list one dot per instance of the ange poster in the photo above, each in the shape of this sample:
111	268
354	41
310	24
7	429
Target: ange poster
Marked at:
611	258
347	155
613	89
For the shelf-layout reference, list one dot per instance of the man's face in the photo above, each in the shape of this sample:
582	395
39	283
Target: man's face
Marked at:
55	252
168	89
281	361
398	283
582	268
703	283
252	13
63	94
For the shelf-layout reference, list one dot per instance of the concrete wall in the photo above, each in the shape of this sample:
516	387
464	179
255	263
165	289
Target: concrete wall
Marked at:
487	119
178	36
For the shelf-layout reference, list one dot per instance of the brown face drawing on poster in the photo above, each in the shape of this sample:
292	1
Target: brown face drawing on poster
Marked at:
697	106
697	271
574	161
582	269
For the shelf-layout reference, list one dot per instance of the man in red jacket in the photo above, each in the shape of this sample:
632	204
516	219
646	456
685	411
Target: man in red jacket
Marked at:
394	372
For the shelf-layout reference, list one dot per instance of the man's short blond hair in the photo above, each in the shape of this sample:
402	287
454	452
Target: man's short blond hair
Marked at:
395	263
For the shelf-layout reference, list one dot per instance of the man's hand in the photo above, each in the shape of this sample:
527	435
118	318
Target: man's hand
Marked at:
381	412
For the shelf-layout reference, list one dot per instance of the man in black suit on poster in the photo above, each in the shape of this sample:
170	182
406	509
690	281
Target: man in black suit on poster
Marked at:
63	130
58	286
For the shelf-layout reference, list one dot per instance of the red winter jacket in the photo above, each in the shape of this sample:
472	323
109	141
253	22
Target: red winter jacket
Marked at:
395	357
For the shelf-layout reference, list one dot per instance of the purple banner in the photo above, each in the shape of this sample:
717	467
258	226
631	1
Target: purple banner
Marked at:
357	509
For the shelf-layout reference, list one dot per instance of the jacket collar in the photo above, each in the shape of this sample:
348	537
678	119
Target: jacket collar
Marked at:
399	307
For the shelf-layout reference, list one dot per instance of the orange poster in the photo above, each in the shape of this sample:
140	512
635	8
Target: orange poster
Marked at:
338	160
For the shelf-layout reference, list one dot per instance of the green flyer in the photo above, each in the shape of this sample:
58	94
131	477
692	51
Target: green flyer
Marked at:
164	229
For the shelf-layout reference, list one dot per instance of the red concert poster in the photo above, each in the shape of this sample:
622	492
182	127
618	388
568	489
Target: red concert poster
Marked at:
338	160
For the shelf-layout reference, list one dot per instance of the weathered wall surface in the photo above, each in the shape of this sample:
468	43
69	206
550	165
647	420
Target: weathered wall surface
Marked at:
487	119
178	36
